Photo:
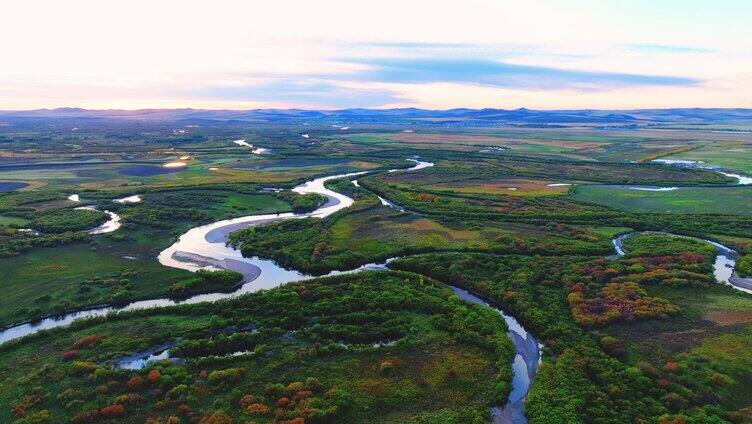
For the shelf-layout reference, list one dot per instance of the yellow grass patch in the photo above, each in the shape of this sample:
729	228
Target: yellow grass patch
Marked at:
725	318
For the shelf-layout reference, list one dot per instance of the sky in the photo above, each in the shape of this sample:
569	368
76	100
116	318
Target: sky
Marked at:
331	54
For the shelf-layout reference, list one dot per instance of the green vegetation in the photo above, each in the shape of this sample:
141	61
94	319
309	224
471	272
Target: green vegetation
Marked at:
696	200
731	155
647	244
207	281
79	275
62	220
375	233
521	216
12	221
572	304
303	203
422	356
744	265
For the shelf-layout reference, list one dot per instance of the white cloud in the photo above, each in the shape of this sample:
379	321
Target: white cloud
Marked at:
143	53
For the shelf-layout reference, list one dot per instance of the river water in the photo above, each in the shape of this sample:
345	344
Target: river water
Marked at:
205	247
526	362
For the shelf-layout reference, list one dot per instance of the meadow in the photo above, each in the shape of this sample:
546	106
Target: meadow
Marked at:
684	200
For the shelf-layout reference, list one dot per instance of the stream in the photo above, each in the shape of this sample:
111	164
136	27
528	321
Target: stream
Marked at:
526	362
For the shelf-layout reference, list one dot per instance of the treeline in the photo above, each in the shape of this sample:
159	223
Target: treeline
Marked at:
14	242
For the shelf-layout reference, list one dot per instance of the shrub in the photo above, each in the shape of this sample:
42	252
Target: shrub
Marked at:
227	375
612	345
283	402
112	411
671	367
85	417
294	387
312	384
69	355
247	401
41	417
69	395
216	418
257	409
153	375
135	383
179	392
274	389
386	367
87	341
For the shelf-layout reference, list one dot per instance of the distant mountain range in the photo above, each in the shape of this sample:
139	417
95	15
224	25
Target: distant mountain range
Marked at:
461	116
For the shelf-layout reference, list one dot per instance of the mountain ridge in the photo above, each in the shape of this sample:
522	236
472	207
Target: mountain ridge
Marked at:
403	115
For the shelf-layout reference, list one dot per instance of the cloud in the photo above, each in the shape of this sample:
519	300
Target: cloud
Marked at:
302	93
665	48
501	74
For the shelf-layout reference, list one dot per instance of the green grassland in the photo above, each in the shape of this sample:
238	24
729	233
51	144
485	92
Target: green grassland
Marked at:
120	266
59	275
12	220
696	200
376	233
736	156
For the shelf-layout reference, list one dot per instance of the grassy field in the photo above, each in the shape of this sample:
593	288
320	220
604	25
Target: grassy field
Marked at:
12	220
720	200
506	186
378	233
59	273
735	156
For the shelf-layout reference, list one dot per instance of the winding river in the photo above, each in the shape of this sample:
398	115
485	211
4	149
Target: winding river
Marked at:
723	266
205	247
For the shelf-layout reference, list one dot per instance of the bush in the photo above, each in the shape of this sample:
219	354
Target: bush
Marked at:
153	375
744	266
112	411
69	355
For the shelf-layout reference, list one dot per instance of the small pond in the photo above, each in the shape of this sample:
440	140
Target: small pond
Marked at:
146	170
11	185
